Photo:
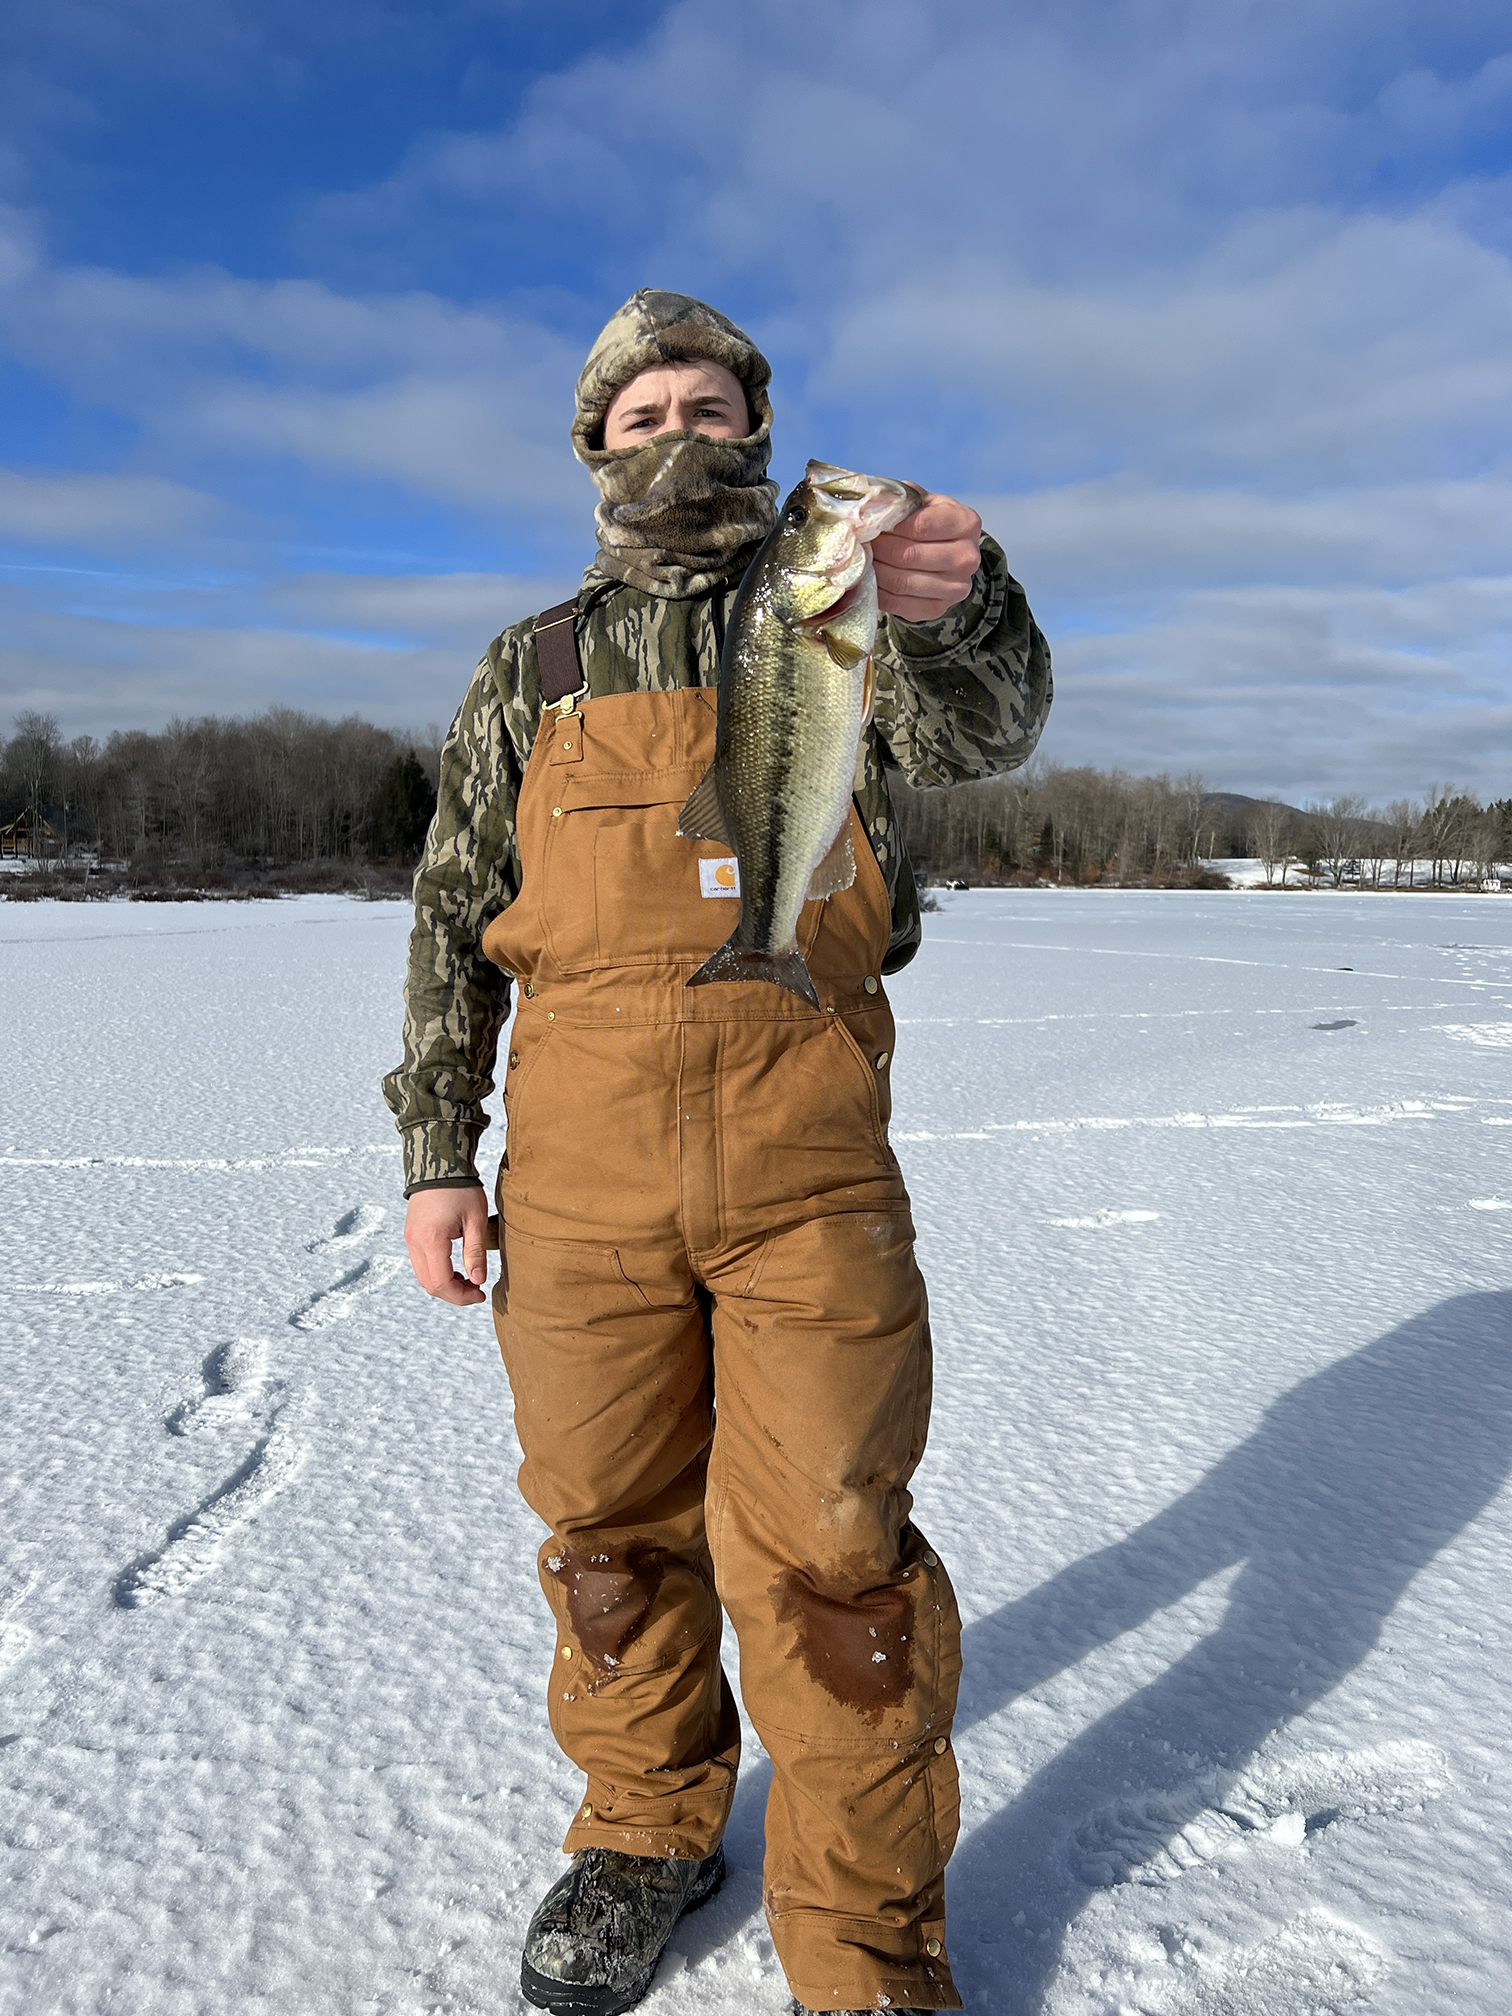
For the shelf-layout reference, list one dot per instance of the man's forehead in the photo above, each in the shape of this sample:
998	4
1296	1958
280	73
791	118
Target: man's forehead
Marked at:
658	381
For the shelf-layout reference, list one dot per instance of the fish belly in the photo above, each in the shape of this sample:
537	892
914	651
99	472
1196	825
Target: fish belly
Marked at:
792	784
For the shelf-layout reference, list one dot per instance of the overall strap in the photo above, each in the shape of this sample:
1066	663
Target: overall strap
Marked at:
557	653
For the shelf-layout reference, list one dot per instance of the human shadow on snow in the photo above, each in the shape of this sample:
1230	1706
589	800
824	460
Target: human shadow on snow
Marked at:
1350	1485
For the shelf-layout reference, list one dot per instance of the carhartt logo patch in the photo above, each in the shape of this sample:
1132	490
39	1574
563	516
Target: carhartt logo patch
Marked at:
719	877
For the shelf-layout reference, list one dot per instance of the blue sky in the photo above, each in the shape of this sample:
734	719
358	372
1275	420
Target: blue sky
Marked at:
1207	307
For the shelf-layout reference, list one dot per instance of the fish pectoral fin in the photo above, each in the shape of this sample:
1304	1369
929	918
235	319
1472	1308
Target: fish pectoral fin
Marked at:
869	692
701	818
845	654
837	870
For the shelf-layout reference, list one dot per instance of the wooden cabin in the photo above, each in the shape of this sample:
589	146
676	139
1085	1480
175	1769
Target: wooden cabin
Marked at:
23	838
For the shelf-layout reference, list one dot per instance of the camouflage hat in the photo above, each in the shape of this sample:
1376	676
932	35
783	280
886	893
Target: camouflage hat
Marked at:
655	327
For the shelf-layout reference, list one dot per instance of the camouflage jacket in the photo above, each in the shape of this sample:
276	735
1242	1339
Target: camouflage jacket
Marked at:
961	698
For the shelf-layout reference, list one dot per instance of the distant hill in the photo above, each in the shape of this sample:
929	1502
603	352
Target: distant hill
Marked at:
1236	810
1239	807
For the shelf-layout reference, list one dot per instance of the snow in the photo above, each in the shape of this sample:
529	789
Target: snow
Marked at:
1214	1204
1248	872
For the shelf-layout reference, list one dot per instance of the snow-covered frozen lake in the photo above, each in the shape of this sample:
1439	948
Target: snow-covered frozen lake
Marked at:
1215	1205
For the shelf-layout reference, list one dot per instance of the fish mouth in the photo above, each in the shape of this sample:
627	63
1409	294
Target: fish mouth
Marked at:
869	504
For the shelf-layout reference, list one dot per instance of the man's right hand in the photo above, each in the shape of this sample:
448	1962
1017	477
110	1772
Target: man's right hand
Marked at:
433	1221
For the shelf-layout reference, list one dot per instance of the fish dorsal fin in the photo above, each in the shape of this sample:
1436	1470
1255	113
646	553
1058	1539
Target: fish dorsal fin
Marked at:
837	870
701	818
869	692
845	654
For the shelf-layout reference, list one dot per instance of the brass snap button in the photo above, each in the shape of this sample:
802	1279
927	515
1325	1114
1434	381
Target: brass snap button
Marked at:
870	983
551	1014
931	1559
881	1059
941	1746
587	1814
556	811
566	745
530	990
565	1653
514	1058
932	1948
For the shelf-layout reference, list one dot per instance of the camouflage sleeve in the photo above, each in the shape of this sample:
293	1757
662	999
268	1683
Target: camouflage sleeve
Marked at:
455	1000
966	696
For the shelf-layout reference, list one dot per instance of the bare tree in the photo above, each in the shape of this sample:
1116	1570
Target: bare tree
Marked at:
32	756
1270	829
1194	792
1403	819
1337	837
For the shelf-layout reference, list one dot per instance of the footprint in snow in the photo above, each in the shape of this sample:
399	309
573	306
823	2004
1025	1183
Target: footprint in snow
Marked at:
15	1639
353	1228
338	1302
1153	1837
1101	1220
236	1383
1316	1966
148	1284
194	1544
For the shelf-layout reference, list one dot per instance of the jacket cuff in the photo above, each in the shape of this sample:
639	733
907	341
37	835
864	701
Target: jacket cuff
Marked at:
928	647
440	1154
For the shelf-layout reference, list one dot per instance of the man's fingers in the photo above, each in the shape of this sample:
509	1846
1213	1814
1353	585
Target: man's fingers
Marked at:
939	518
433	1221
474	1257
433	1270
430	1256
932	583
931	556
918	596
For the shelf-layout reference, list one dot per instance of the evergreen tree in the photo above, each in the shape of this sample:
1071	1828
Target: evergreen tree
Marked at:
402	808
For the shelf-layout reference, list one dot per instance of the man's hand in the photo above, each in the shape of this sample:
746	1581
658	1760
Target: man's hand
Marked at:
433	1220
926	565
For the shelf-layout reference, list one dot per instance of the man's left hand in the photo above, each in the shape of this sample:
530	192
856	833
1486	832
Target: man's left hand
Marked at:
927	564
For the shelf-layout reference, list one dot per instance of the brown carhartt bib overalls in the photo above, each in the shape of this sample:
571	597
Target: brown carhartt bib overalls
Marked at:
699	1206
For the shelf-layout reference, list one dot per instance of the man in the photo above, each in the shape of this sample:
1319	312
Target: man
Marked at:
698	1197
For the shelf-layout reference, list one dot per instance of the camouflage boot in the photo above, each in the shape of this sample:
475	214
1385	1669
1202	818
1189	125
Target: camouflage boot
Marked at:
597	1935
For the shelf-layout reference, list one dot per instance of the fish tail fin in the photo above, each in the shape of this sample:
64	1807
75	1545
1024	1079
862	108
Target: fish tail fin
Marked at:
742	962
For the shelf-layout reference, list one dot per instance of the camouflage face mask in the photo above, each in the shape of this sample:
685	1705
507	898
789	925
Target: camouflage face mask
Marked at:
683	512
680	513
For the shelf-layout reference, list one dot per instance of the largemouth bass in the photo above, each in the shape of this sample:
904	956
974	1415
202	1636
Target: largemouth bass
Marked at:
795	693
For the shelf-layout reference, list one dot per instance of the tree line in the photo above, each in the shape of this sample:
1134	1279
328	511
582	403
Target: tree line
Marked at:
284	787
1050	822
287	787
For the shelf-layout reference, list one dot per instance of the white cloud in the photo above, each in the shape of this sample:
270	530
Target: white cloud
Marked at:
460	612
1302	693
102	511
459	405
396	651
1119	537
1308	349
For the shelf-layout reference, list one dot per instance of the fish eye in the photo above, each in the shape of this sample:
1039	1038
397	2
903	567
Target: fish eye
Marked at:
796	515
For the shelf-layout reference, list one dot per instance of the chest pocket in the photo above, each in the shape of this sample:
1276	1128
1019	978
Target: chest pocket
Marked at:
623	888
